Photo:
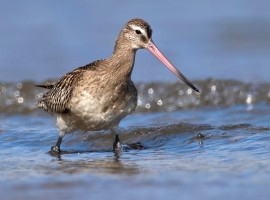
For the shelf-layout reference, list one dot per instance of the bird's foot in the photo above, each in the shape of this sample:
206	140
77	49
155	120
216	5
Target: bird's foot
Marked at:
55	150
117	146
136	145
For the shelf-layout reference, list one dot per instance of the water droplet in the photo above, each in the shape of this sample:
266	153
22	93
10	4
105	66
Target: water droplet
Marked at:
17	93
148	106
213	88
20	100
180	104
150	91
19	86
189	91
249	99
159	102
139	102
180	92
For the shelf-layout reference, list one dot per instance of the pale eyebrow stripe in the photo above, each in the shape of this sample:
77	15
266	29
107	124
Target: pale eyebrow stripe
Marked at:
134	27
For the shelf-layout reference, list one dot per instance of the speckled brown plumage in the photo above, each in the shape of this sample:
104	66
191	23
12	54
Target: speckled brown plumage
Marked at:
100	94
56	100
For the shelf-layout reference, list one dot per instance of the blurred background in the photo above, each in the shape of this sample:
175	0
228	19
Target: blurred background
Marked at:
208	145
205	39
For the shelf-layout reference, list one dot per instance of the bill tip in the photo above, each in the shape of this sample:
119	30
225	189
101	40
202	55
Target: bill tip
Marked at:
196	89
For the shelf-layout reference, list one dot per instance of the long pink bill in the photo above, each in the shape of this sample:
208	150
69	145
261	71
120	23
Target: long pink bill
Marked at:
157	53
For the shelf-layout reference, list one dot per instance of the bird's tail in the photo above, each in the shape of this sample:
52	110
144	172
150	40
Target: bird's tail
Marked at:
47	86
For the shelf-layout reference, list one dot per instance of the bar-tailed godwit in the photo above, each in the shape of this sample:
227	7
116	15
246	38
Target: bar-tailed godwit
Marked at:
99	95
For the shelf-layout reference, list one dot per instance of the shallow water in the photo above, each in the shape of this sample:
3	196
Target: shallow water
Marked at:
209	145
229	162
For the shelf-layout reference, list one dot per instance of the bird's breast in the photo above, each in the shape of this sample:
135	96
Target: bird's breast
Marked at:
103	109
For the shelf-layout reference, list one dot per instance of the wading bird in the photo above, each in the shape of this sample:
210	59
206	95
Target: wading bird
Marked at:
99	95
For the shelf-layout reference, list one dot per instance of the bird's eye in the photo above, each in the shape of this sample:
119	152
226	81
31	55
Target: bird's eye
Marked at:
138	32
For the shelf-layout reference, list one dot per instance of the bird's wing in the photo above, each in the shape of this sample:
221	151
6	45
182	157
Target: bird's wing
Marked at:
57	98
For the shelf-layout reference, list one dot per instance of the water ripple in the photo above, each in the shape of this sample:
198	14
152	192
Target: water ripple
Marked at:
153	97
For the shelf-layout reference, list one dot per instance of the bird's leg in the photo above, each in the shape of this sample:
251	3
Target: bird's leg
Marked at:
116	144
56	148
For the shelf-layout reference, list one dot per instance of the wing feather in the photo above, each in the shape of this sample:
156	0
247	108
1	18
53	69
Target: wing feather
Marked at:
56	100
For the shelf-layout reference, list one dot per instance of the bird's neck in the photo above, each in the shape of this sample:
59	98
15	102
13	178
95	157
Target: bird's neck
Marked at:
123	57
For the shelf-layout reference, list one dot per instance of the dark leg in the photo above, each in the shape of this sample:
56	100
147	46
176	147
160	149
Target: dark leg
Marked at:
136	145
117	145
56	148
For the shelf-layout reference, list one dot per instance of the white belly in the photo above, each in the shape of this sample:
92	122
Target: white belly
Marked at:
91	114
